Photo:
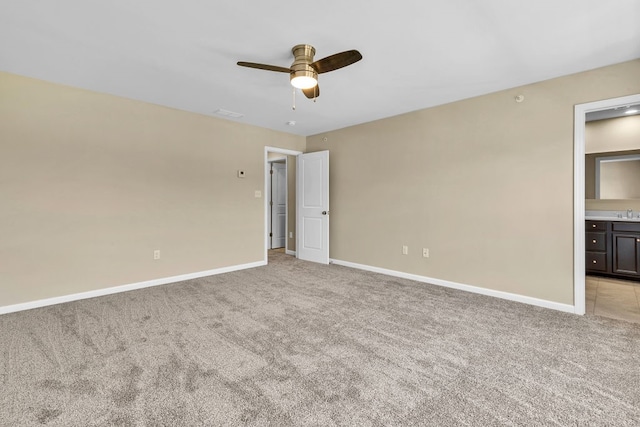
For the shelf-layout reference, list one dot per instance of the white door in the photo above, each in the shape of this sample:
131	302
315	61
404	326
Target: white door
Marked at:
278	204
312	199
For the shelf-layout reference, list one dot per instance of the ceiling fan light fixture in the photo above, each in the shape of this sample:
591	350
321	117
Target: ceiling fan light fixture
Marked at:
304	79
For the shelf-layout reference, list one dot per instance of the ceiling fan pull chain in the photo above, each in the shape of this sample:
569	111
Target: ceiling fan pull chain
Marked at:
294	98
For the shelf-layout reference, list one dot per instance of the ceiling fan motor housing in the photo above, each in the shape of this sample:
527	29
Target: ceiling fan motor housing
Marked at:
303	57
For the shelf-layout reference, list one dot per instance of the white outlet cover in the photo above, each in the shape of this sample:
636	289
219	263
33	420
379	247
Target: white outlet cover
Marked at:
258	193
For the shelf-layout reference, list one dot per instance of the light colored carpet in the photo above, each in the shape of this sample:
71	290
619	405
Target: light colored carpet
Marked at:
295	343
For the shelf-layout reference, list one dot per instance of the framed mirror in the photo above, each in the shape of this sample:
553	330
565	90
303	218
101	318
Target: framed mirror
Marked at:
617	177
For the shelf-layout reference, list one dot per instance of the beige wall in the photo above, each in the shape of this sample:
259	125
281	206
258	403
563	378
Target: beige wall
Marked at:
618	134
91	184
612	205
485	183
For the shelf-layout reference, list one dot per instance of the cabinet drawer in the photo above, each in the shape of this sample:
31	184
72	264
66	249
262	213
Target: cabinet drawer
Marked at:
596	261
595	241
595	225
626	226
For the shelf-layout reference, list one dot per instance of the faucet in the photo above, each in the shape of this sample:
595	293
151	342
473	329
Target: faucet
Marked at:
630	213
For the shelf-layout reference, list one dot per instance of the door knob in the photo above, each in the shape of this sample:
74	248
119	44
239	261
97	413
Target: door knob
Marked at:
325	212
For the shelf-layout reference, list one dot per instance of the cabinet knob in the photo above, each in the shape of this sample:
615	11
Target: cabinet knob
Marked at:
594	241
595	262
638	240
593	225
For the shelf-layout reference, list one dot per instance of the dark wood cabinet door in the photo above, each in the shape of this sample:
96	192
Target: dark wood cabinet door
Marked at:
626	253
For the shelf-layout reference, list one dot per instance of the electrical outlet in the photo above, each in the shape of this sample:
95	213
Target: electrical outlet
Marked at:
257	193
405	250
425	252
291	234
156	254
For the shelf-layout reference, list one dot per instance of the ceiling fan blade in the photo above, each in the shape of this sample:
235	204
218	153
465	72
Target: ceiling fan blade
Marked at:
336	61
312	93
264	67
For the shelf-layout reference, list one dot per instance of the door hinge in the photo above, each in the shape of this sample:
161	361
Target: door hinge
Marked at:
271	171
271	203
270	234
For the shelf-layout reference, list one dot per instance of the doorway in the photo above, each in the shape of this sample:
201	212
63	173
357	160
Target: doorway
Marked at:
580	112
275	155
277	195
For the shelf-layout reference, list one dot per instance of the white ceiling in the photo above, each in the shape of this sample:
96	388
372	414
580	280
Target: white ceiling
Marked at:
417	53
613	113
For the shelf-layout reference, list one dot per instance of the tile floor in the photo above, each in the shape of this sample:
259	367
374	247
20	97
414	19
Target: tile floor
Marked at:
617	299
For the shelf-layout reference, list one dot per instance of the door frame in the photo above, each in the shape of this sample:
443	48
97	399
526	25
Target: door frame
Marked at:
286	152
269	195
579	150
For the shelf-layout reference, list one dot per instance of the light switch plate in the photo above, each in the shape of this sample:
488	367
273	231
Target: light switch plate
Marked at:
258	194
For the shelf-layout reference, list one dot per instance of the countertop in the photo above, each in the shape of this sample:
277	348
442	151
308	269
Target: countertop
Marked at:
611	216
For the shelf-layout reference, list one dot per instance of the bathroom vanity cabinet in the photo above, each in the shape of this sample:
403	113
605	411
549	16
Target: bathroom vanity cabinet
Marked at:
598	246
613	248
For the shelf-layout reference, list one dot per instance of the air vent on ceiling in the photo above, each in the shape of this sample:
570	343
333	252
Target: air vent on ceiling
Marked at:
227	113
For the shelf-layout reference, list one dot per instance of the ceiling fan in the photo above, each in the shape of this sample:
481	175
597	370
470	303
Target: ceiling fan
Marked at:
304	71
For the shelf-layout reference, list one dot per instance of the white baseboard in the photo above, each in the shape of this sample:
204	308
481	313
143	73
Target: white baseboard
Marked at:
163	281
288	252
124	288
468	288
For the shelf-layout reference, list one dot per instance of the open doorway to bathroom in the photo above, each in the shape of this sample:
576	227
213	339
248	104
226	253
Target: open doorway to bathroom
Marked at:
604	129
